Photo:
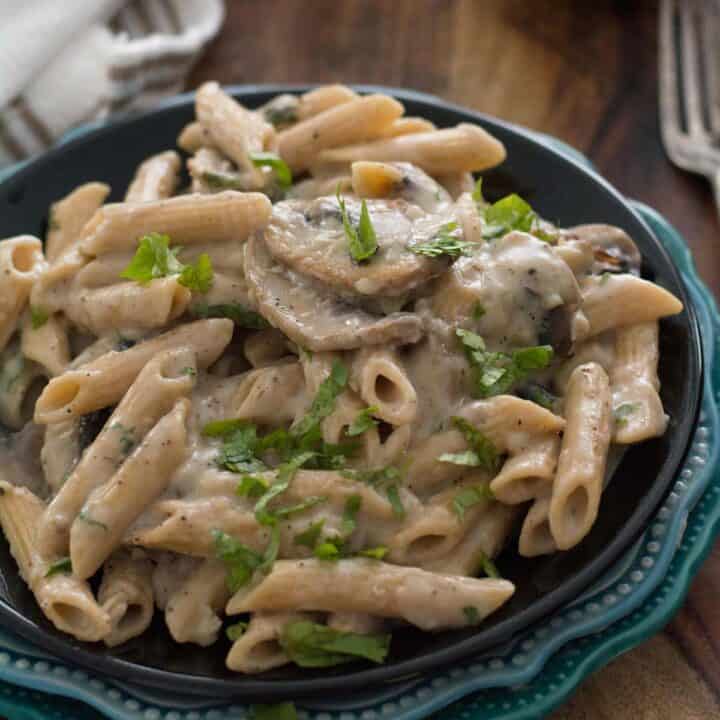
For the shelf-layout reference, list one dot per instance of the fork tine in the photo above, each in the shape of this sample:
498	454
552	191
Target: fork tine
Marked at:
690	70
711	61
669	106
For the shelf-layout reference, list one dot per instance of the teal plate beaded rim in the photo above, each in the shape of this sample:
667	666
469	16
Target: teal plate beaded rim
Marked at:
523	679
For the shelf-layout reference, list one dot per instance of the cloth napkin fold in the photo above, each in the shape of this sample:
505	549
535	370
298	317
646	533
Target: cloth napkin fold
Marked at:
66	63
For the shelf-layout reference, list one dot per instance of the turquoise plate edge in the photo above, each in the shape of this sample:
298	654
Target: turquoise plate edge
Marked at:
530	693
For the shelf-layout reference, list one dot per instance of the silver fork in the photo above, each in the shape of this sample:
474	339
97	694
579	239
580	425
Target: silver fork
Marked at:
690	86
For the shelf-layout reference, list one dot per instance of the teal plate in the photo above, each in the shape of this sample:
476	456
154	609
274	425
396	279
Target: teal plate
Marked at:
523	679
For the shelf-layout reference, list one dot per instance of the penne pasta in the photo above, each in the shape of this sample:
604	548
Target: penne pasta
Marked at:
155	179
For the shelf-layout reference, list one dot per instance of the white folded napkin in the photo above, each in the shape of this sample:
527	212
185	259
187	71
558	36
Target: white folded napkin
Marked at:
67	63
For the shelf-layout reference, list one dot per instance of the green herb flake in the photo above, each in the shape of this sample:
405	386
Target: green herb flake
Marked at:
467	458
224	428
198	277
240	560
494	373
352	507
484	450
127	437
374	477
446	242
487	566
540	396
236	631
309	644
328	550
64	565
281	711
363	421
38	317
376	553
510	213
285	473
478	311
623	411
189	371
470	496
222	181
239	314
477	194
471	615
252	486
153	259
306	504
82	515
393	495
324	402
310	536
283	175
362	242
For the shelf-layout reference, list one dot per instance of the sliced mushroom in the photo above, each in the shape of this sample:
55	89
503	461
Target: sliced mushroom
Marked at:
399	180
312	315
514	291
309	237
613	248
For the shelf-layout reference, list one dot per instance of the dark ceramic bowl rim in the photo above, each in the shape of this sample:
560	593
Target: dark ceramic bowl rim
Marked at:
570	589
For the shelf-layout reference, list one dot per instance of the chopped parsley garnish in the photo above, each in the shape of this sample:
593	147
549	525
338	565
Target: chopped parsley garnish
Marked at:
306	504
308	644
508	214
487	566
540	396
447	242
155	259
236	312
241	562
623	411
236	631
285	473
222	181
352	507
470	496
64	565
252	486
281	711
393	495
324	402
478	311
362	241
373	477
494	373
82	515
38	317
471	614
127	437
310	535
363	421
376	553
482	452
238	450
189	371
329	549
283	175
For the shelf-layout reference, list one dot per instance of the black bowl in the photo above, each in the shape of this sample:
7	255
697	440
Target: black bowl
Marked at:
561	190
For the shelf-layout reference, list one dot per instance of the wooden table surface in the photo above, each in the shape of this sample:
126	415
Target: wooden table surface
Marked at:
583	71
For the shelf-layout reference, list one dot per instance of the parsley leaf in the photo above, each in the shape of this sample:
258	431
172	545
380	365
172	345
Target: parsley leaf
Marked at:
478	311
252	486
271	551
362	241
285	473
494	373
487	566
281	711
236	631
324	402
311	645
240	560
376	553
486	455
363	421
446	242
393	495
236	312
283	175
352	507
540	396
64	565
310	535
153	259
238	451
198	277
38	317
301	506
329	549
373	477
127	437
222	181
470	496
82	515
622	411
471	614
509	213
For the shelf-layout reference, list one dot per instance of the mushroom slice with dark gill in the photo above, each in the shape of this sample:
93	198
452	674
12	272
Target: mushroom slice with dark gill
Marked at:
613	249
312	315
309	237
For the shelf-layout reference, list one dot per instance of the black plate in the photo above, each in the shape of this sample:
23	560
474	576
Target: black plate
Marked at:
560	190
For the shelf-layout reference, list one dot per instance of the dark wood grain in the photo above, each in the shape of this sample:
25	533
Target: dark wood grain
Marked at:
583	71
